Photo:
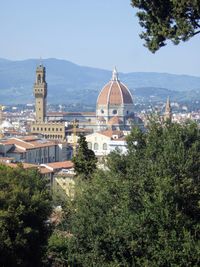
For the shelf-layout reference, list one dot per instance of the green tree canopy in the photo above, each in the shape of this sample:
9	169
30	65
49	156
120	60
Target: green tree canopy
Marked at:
24	209
146	211
85	160
175	20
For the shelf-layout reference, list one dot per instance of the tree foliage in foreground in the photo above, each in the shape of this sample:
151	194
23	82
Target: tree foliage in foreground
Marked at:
24	208
176	20
85	160
144	211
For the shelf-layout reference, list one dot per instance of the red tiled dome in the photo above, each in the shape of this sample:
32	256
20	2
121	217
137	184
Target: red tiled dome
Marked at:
114	93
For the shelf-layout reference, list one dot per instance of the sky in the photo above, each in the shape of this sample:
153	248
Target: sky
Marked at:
95	33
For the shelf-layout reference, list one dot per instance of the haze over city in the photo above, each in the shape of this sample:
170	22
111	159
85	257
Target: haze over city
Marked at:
91	33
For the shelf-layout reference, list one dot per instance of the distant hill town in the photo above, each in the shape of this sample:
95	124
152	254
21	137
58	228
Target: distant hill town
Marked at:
72	83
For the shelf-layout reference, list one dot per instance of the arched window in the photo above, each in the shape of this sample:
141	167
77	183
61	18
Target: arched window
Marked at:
89	145
114	111
39	78
96	146
105	146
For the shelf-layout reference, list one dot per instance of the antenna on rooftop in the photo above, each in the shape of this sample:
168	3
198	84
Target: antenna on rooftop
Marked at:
40	61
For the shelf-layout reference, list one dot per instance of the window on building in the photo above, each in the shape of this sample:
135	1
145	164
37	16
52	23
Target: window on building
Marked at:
105	146
89	145
37	129
56	129
39	78
114	111
53	129
102	111
41	129
61	129
33	128
96	146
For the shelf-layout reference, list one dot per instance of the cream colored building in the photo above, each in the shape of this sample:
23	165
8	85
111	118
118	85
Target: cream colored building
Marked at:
102	143
49	130
63	186
31	149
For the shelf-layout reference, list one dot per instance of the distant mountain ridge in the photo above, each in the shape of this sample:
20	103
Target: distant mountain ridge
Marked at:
69	82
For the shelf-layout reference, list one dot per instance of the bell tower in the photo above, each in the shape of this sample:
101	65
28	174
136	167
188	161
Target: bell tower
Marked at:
40	92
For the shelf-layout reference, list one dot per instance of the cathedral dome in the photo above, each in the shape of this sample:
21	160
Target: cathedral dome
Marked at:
114	93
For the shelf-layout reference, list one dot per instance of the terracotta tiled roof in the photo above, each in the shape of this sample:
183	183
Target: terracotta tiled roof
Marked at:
60	165
44	170
44	143
110	133
25	144
18	142
29	138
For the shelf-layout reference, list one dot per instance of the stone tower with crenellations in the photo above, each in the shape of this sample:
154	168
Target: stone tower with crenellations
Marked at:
40	92
48	129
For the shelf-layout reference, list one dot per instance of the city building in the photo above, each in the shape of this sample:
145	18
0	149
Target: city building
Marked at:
31	149
103	142
114	110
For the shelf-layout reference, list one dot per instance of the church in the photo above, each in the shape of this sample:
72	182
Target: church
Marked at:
114	111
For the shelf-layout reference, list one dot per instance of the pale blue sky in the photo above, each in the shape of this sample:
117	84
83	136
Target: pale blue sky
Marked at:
97	33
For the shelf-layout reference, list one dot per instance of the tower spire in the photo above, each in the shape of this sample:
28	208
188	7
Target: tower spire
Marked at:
115	74
168	110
